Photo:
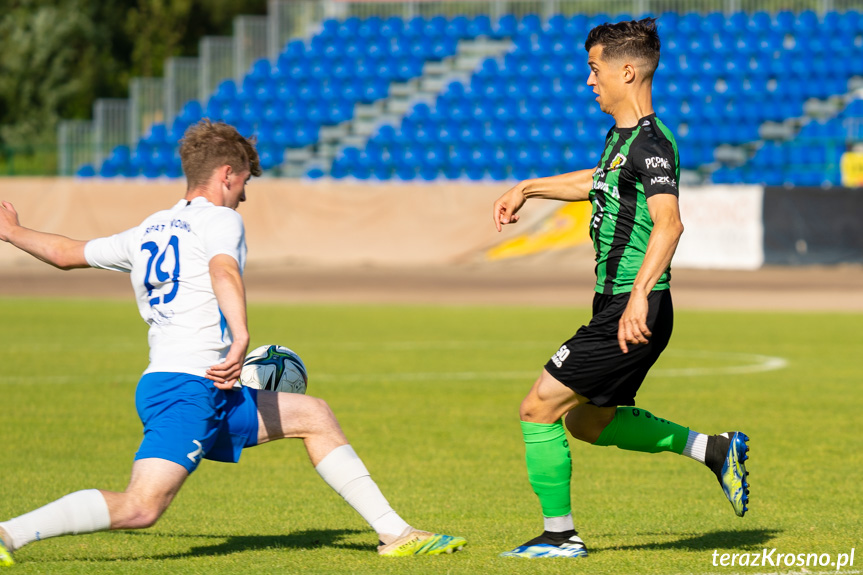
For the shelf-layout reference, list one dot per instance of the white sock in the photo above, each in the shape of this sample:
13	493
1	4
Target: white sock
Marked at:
558	524
696	446
343	470
79	512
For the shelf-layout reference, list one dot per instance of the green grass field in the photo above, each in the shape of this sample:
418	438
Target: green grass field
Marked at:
429	398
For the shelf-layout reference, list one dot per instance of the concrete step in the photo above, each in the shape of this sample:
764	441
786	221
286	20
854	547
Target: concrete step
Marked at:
468	63
733	155
437	68
365	111
403	89
821	108
400	106
298	154
333	133
776	131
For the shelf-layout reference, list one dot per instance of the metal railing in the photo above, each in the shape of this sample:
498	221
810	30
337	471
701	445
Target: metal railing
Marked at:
157	100
182	84
545	8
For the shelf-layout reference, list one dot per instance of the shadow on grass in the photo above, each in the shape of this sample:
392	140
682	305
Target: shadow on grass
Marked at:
733	540
228	544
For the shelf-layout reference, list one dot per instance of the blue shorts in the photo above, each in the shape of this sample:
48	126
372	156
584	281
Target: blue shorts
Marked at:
187	418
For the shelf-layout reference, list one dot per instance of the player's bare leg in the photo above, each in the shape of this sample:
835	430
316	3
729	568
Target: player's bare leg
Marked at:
284	415
548	400
152	487
585	421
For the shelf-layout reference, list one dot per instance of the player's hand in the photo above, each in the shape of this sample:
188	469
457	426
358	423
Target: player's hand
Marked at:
632	328
507	205
224	375
8	220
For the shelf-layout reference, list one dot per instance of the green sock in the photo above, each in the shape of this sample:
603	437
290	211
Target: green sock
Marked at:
549	466
635	429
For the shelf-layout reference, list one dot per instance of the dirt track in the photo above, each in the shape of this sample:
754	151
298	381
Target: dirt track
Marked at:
564	280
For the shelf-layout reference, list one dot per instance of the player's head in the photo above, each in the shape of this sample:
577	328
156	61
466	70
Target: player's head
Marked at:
211	150
621	57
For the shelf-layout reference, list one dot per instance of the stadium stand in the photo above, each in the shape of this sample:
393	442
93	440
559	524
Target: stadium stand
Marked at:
753	98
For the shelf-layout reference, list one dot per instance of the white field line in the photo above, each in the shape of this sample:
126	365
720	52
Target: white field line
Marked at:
736	363
61	379
733	363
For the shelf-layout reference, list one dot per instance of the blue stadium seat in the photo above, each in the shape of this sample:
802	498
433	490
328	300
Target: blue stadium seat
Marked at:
505	27
479	26
728	72
158	134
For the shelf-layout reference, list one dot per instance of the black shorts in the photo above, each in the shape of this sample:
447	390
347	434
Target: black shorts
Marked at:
591	362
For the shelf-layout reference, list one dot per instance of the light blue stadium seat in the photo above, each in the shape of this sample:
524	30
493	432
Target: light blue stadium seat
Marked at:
251	110
806	23
760	22
728	176
529	24
436	27
297	69
736	23
850	23
158	134
226	91
556	25
783	23
370	27
494	132
261	69
457	27
479	26
392	27
729	73
505	27
349	28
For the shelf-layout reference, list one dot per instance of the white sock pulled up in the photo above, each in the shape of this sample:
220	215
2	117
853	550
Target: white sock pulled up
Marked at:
76	513
344	471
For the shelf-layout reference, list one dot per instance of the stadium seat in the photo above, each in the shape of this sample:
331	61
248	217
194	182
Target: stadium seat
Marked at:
730	72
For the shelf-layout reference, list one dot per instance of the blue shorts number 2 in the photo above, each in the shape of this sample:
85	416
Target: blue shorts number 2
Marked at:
187	418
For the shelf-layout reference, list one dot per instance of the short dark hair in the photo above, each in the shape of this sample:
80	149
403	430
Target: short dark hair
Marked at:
634	39
207	146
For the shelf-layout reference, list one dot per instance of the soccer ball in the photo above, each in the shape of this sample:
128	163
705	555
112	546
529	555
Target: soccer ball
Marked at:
274	368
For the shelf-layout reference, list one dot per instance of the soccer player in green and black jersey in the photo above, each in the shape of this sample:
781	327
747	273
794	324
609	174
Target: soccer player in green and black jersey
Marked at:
590	383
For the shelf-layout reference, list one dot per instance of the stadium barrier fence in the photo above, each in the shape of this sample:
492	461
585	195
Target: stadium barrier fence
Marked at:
294	222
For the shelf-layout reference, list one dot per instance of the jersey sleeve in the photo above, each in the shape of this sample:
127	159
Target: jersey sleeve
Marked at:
111	253
656	167
226	234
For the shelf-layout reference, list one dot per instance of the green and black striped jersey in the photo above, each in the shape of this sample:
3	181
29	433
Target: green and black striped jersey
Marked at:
635	164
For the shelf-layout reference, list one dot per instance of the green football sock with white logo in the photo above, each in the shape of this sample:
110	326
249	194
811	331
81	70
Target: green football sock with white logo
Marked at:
635	429
549	466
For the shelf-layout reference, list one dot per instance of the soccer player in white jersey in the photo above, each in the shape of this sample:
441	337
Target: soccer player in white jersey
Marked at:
186	266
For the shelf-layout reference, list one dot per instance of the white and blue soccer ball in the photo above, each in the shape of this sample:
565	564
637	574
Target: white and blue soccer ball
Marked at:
274	368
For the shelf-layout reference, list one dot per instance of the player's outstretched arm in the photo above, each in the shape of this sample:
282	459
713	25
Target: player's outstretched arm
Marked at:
570	187
59	251
231	294
667	229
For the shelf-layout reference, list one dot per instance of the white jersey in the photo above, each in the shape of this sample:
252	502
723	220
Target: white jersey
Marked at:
168	259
